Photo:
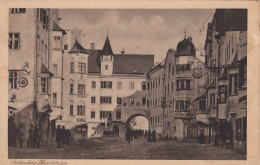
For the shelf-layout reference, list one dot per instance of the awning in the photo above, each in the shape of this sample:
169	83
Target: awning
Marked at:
12	106
202	96
45	108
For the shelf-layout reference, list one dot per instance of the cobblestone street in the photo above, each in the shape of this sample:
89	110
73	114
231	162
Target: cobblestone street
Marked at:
116	148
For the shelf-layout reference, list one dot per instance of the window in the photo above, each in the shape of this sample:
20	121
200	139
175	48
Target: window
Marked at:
106	67
82	68
93	84
159	81
148	103
144	101
55	68
57	42
243	74
81	89
131	100
17	10
119	85
93	114
13	79
105	100
183	84
172	87
105	114
131	85
222	94
155	83
54	101
72	67
238	129
182	67
182	105
148	85
44	85
106	84
212	100
71	89
118	115
144	86
65	46
233	84
93	100
169	69
81	110
202	105
173	70
118	100
14	41
46	53
71	110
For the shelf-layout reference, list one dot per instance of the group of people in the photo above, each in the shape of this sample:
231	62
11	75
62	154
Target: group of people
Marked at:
135	134
62	136
34	137
151	136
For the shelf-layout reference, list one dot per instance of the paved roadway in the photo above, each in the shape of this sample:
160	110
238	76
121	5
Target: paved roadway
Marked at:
116	148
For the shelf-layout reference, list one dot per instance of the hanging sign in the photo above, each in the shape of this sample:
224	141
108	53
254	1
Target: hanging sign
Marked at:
23	82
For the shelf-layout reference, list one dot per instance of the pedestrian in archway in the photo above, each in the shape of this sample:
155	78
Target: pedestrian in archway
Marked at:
63	136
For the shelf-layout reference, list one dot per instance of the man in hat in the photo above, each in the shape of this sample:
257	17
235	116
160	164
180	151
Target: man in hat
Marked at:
58	136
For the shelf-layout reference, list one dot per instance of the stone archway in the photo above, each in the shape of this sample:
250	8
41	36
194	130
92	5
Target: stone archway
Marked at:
133	116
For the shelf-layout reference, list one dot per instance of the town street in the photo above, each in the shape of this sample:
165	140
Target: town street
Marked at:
116	148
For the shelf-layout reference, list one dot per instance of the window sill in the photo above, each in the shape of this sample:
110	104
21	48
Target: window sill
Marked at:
45	94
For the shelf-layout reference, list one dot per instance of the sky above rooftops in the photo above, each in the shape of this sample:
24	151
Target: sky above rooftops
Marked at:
146	31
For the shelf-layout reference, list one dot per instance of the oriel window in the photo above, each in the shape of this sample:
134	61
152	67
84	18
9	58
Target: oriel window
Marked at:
44	85
82	68
81	89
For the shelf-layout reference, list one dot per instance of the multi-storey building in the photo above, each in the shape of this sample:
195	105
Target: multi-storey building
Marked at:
225	49
30	55
184	82
101	87
155	93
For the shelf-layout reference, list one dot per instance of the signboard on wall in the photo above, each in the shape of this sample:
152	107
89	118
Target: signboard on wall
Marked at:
81	119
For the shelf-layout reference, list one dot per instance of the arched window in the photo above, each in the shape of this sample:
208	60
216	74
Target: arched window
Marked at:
81	108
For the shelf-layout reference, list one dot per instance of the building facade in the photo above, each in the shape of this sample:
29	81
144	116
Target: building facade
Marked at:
226	61
102	89
29	66
155	93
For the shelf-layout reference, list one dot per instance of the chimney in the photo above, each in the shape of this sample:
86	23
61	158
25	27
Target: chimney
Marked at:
123	51
92	46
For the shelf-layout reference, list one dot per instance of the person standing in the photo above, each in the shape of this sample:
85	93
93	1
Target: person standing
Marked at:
154	136
20	135
30	138
58	131
149	136
68	134
36	137
63	136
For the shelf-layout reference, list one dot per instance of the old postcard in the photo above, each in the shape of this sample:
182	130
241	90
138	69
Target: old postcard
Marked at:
123	81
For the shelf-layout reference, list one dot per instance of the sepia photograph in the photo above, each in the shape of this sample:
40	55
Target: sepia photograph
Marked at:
120	84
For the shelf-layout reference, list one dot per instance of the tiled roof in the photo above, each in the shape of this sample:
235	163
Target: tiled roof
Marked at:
132	63
160	65
56	27
107	50
77	48
123	63
93	61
